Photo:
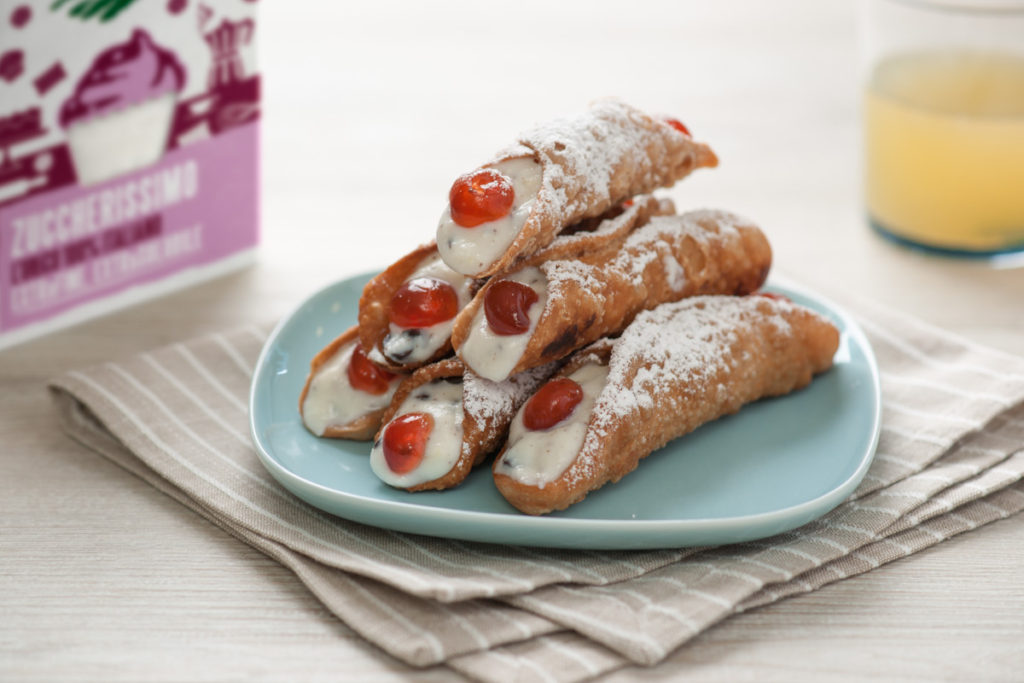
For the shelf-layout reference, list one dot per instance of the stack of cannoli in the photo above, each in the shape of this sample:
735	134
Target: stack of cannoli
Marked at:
565	319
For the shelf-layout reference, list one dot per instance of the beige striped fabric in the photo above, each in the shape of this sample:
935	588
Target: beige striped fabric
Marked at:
950	459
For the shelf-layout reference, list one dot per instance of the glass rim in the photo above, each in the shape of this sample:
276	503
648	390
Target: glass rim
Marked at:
979	7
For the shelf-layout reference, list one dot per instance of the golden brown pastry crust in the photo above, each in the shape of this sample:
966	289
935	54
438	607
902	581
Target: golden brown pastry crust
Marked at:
718	252
360	429
760	359
606	231
643	153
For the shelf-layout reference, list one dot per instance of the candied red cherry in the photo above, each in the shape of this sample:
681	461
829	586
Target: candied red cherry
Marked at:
774	295
507	307
365	375
480	197
552	403
422	302
678	125
405	441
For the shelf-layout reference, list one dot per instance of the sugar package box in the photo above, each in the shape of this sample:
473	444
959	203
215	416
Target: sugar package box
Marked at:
128	153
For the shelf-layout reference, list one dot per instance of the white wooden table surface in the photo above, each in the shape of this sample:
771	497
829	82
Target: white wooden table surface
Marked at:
371	110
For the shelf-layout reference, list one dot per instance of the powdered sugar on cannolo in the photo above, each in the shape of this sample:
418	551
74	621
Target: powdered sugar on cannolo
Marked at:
672	346
644	246
602	232
587	164
485	401
665	348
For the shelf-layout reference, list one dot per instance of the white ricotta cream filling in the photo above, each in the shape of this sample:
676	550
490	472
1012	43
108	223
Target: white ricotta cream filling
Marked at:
332	401
412	345
491	355
536	458
442	400
471	250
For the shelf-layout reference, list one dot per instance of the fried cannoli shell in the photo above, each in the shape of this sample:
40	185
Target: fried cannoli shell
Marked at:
488	408
375	306
593	162
362	428
669	258
605	231
675	369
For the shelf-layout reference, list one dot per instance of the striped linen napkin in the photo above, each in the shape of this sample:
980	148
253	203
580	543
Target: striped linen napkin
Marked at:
950	459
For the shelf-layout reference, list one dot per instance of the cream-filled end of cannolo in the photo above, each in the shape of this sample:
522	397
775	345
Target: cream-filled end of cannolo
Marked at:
471	250
536	457
423	441
432	289
488	349
330	400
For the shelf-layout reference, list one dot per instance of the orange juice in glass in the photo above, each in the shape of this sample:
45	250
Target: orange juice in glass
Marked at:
944	132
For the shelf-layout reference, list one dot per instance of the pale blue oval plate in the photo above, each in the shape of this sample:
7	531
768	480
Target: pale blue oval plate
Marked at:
774	466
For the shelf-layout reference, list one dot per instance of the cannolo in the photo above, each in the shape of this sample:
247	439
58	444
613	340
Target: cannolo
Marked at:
406	312
444	420
556	176
345	394
675	368
550	308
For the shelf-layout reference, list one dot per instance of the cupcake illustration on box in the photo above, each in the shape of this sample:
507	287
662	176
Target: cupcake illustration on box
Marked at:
129	153
119	117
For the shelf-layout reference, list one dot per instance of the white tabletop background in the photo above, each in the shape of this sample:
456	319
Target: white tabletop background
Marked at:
371	110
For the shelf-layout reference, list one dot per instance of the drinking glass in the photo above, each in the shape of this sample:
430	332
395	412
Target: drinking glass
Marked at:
944	124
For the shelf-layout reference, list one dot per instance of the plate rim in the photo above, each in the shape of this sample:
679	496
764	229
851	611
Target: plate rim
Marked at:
552	526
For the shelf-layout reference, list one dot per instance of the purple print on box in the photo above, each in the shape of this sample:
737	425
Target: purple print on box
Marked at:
232	97
17	127
37	171
128	151
12	64
21	16
49	78
120	76
123	75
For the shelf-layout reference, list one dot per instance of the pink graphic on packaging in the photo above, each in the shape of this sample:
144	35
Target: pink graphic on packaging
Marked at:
45	81
21	16
38	171
18	127
232	98
12	64
124	75
79	244
128	161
